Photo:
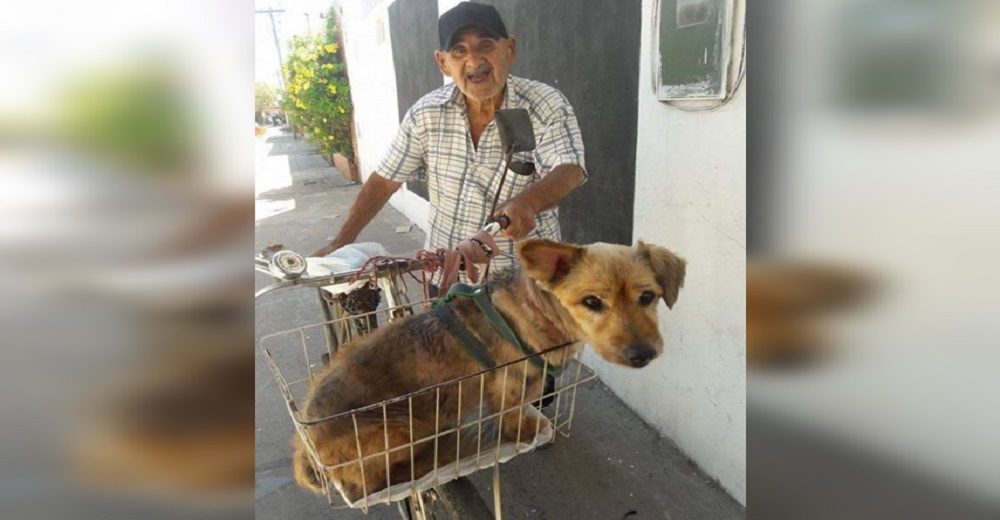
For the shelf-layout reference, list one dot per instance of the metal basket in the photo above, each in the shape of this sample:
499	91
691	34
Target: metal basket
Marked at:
295	356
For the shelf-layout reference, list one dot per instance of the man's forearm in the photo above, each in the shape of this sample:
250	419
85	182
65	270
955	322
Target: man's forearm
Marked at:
554	187
371	199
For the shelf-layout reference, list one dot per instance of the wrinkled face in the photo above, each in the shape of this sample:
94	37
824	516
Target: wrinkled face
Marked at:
478	64
611	292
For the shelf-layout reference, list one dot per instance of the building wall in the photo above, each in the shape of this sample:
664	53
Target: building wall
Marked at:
368	45
589	50
413	25
691	198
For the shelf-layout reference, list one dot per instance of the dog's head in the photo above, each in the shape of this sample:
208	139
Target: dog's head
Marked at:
610	291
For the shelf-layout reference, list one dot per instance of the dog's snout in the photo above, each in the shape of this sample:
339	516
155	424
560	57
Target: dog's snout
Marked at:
640	355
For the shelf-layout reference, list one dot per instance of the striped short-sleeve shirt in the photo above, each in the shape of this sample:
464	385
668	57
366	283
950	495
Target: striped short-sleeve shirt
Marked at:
434	143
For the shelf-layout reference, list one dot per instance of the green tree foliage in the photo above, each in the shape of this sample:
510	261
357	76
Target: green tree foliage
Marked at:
318	97
264	96
134	115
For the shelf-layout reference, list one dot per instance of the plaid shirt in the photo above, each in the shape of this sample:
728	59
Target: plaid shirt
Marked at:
434	143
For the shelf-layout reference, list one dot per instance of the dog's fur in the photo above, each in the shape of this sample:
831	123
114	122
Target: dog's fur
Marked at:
544	303
787	303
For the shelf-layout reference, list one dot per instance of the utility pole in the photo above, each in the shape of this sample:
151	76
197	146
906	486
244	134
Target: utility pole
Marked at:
277	45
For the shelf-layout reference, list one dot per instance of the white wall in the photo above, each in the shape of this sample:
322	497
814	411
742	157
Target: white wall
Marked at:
691	198
373	93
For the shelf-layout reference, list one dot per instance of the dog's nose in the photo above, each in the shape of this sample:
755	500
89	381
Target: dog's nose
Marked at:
640	355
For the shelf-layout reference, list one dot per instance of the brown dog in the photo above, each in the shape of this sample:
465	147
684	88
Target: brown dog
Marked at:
787	302
603	294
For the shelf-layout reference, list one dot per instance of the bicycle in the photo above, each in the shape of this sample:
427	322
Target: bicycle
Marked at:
295	355
443	492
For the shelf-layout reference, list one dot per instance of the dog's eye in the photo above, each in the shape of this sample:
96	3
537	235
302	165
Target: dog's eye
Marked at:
647	297
593	303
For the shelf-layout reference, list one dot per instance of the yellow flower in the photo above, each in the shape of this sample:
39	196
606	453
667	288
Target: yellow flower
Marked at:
341	110
332	89
330	47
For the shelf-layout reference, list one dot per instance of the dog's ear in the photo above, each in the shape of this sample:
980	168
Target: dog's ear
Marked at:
547	261
668	268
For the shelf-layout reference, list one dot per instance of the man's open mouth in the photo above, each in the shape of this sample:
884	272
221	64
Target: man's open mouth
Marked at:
479	75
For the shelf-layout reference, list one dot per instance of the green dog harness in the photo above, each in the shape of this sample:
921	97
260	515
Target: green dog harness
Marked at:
481	296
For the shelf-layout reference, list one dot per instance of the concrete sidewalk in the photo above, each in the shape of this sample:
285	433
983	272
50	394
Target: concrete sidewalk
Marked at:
611	465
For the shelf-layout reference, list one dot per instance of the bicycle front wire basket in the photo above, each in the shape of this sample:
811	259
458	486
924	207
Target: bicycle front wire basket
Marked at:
468	442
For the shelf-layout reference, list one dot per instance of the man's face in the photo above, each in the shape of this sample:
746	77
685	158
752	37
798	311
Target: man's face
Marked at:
478	64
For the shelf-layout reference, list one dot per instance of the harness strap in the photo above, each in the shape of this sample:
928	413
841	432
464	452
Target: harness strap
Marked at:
481	296
473	346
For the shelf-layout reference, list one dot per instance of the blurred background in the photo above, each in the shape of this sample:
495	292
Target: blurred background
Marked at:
125	223
126	158
873	385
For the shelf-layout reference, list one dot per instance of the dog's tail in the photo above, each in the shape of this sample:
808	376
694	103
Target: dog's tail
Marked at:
305	474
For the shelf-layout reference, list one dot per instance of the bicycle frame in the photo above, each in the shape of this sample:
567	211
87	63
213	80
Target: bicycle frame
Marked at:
319	341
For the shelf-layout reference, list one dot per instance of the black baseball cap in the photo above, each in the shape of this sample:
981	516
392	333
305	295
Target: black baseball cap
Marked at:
468	14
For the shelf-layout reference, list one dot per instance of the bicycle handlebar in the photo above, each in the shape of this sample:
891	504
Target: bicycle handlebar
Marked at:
502	222
286	279
397	265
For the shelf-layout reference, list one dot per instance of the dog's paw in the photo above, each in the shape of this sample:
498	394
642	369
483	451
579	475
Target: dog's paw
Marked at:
353	492
525	430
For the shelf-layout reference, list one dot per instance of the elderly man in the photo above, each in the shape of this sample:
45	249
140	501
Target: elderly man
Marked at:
449	136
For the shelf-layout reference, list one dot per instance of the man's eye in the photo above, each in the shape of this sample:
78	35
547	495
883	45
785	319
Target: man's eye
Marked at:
647	297
458	52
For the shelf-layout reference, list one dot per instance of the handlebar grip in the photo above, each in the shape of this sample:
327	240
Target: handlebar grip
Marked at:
504	221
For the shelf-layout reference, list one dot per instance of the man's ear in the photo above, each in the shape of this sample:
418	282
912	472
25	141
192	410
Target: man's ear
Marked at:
439	57
668	268
547	261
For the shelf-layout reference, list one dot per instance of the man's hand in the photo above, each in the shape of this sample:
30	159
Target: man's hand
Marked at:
522	217
327	249
540	196
374	194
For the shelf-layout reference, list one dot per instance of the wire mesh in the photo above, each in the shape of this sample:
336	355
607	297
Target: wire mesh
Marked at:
463	431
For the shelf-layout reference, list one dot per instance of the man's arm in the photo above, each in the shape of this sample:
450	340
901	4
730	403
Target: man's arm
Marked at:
540	196
373	196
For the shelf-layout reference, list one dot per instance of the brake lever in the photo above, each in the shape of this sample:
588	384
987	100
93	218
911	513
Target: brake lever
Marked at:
494	227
